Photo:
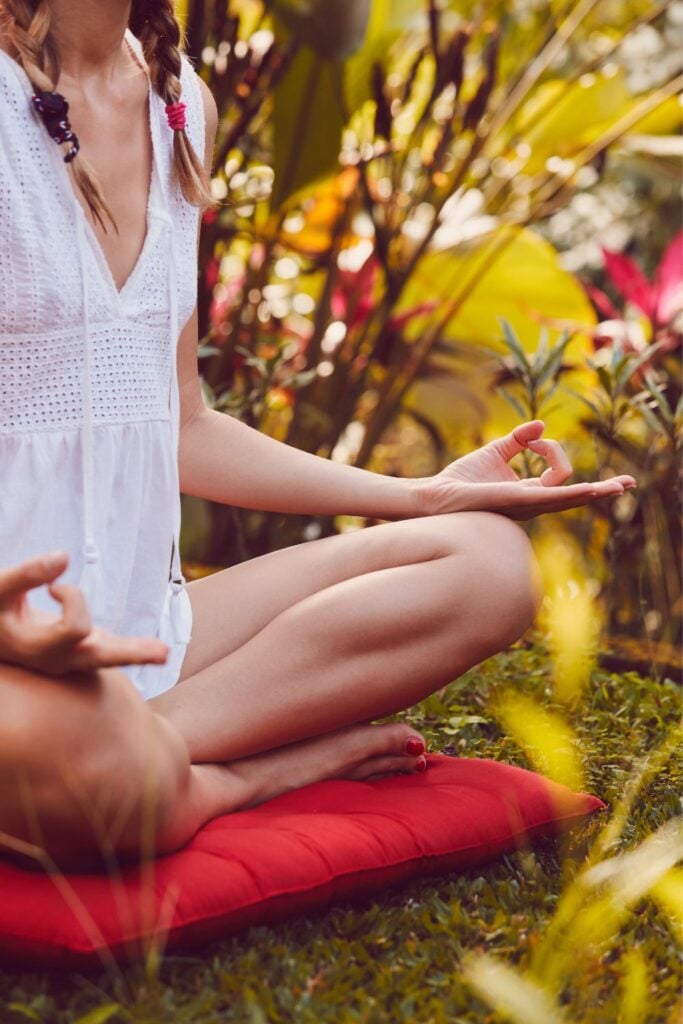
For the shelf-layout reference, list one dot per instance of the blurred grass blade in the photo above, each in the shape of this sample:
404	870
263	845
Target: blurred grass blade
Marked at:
517	998
100	1015
634	986
549	742
570	613
668	894
630	876
22	1010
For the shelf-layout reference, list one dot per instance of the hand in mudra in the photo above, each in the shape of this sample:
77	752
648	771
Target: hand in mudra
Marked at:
56	644
483	481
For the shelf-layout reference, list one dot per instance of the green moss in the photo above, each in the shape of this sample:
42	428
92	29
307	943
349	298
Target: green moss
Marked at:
395	959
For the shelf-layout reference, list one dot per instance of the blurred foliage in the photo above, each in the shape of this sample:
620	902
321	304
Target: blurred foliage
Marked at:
391	179
635	422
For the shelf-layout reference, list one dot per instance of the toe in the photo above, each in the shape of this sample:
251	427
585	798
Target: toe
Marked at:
379	767
397	738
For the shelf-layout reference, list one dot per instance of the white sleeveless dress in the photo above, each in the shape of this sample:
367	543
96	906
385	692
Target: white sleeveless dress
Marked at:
88	386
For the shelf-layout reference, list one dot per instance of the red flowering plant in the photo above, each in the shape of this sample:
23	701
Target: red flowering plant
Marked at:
660	301
636	417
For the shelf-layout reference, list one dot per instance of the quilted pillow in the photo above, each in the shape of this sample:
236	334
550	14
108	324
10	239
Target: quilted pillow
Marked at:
326	842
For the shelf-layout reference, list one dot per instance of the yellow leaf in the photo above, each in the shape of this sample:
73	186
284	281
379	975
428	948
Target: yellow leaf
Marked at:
524	284
518	277
562	117
320	207
666	119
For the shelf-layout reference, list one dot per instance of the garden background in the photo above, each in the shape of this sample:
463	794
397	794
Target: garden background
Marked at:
435	220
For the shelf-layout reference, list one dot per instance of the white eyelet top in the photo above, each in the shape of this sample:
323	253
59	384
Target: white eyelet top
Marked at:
88	385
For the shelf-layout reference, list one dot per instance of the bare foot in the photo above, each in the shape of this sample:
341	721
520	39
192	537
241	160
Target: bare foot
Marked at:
358	752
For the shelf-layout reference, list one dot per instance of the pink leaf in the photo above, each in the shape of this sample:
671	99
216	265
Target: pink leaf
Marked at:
353	288
668	283
601	301
629	279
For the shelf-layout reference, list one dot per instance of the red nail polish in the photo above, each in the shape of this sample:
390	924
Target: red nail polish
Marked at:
415	746
421	765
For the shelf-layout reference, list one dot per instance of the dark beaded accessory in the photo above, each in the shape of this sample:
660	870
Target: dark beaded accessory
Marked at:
54	111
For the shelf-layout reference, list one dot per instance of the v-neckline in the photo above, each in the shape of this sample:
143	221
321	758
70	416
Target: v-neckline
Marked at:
120	292
117	293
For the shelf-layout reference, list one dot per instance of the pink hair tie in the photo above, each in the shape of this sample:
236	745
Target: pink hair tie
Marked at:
175	112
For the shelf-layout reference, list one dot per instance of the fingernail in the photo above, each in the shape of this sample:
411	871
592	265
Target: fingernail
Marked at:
421	764
415	746
53	560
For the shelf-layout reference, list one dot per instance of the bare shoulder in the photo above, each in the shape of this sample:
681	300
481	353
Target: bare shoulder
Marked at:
210	120
210	109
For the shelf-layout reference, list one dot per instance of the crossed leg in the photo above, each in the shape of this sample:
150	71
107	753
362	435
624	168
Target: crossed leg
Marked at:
293	655
293	650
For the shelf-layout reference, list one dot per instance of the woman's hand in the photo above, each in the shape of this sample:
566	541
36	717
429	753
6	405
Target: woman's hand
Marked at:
484	482
56	644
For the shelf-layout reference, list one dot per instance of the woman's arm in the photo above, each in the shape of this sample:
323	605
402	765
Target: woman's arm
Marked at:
226	461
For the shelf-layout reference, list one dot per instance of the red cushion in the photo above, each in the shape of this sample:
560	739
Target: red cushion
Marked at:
329	841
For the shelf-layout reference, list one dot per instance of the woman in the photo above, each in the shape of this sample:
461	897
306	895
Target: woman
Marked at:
292	655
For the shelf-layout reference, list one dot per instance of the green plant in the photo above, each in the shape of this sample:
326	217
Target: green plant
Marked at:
407	179
537	374
634	425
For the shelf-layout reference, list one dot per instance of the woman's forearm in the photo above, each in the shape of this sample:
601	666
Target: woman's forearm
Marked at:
224	460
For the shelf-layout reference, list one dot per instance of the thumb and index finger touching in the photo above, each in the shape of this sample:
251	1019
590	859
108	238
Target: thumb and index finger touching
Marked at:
518	439
529	435
95	649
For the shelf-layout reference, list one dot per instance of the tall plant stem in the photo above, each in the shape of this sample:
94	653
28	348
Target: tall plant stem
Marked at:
646	105
479	142
540	64
295	148
395	388
552	102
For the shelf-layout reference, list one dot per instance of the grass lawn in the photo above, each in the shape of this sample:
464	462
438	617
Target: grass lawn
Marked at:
396	959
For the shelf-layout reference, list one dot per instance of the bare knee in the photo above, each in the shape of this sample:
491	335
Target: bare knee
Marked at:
94	772
496	567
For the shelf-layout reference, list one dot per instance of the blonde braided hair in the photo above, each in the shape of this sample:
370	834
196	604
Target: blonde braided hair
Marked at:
155	24
26	24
